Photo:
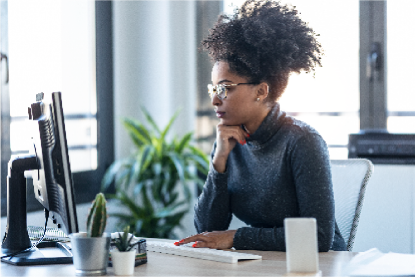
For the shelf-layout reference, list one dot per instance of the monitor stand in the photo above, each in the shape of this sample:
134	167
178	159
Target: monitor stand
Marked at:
16	237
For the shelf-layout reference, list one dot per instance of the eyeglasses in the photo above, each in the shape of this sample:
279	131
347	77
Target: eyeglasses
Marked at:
221	90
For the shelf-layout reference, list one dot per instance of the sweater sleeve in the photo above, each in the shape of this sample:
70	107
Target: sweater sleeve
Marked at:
212	210
312	174
309	161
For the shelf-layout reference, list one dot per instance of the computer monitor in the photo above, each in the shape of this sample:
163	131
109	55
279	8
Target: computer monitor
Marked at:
48	163
53	185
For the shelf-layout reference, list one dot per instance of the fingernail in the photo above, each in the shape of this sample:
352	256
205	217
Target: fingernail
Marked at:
181	241
248	135
244	142
194	245
241	142
176	243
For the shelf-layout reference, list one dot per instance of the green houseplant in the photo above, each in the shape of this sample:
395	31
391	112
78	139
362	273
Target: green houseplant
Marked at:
90	249
123	242
123	256
153	183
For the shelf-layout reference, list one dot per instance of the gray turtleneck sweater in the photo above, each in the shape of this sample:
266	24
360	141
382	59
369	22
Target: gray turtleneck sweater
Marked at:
282	171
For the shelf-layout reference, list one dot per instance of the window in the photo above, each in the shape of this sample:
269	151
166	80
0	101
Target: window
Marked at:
401	58
61	57
61	46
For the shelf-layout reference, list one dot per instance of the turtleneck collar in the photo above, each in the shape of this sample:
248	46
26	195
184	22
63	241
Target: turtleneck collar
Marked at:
270	125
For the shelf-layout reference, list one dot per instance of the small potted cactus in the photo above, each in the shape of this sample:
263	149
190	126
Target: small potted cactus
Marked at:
123	255
90	249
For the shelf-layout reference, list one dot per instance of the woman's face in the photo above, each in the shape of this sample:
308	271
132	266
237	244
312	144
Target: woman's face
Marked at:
241	105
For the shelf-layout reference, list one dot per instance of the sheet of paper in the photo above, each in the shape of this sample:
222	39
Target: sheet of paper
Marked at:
375	263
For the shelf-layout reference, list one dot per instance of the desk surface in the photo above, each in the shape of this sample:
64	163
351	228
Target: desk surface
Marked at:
272	264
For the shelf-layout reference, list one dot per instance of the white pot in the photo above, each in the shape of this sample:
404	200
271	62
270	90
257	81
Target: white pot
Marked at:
123	262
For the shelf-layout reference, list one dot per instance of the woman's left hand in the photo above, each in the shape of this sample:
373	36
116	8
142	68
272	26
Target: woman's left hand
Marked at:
215	239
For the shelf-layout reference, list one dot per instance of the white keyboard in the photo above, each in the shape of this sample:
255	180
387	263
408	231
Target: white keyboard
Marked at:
199	253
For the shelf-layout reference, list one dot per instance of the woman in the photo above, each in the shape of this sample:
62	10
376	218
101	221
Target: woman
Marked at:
265	166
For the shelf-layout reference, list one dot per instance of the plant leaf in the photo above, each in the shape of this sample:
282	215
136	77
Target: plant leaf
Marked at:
167	211
140	164
147	157
199	153
138	188
200	161
136	210
167	128
138	133
183	142
177	161
147	204
150	120
111	173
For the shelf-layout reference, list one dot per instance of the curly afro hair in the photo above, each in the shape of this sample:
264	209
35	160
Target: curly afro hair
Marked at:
264	41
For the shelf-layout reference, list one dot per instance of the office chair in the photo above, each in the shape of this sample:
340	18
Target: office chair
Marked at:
349	179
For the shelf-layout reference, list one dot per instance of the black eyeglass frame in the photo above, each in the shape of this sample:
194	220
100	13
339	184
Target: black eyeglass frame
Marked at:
215	89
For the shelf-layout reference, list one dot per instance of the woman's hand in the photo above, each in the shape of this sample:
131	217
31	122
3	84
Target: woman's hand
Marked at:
227	138
215	239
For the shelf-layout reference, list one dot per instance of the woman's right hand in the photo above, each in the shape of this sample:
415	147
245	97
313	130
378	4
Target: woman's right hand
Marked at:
227	138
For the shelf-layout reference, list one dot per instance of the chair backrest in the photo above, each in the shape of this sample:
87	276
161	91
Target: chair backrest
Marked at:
349	179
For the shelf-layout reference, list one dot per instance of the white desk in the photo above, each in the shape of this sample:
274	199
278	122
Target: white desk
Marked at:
158	264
